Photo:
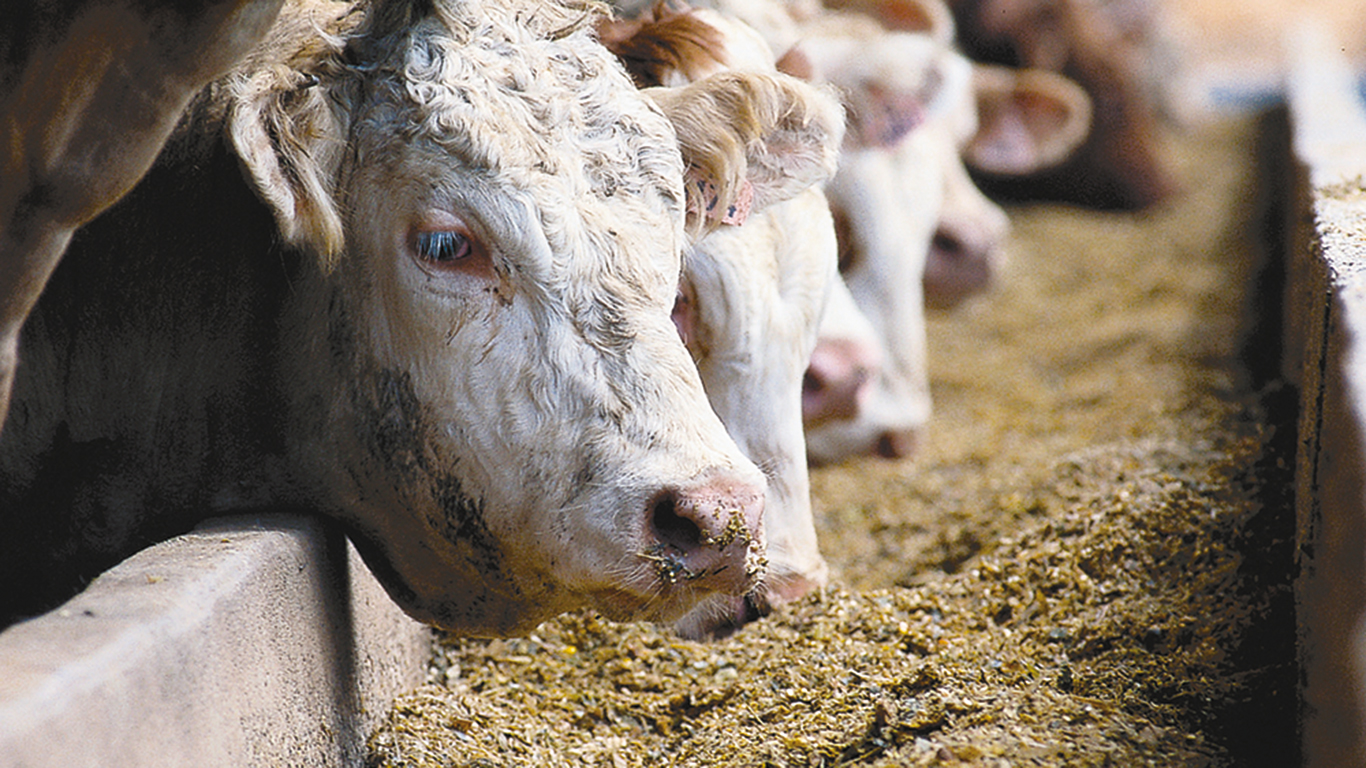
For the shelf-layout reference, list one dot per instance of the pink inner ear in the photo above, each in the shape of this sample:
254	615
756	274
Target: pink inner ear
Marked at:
1005	145
744	203
889	115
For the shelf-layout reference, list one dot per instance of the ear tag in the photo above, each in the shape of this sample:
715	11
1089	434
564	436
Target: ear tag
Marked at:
705	199
892	115
739	210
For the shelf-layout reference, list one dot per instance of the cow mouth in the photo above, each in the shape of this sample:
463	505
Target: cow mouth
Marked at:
722	618
671	570
728	615
667	588
620	604
672	567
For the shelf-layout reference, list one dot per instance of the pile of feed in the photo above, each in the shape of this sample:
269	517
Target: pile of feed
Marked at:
1088	563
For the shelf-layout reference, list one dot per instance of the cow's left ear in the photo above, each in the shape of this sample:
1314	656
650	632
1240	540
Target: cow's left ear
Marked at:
289	142
750	140
1028	120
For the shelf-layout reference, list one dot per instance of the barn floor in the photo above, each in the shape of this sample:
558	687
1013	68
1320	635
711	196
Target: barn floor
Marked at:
1088	564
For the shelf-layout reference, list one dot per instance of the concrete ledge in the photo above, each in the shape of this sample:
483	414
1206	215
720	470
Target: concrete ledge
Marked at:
1325	357
261	641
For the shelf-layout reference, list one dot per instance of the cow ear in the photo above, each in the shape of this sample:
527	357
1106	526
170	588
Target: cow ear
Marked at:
749	140
1029	120
892	82
289	141
796	63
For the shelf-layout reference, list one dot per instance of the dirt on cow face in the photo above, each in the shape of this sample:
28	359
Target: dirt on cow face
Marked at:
1088	564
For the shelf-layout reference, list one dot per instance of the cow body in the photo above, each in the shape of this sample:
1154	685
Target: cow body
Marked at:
437	311
88	94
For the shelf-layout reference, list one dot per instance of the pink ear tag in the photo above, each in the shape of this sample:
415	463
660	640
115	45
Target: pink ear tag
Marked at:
739	210
706	199
893	115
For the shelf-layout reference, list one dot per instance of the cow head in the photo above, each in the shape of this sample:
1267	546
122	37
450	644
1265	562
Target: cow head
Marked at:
486	384
886	197
753	292
915	231
1120	164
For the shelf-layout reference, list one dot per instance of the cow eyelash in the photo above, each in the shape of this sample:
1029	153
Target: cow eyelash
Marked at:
444	247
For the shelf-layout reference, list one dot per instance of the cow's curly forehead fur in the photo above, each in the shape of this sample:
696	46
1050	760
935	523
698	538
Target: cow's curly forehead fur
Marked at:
542	110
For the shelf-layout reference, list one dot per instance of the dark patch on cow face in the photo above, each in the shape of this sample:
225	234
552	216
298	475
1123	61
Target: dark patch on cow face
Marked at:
586	475
341	337
395	424
394	429
462	520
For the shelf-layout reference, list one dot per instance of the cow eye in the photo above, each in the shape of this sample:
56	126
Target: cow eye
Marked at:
444	247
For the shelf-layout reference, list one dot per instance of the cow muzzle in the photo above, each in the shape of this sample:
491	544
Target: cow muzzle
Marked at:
839	376
708	537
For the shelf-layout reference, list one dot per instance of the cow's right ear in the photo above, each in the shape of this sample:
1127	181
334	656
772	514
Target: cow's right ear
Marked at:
1028	120
749	140
289	141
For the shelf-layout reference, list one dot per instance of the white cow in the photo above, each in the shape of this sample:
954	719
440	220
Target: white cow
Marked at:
409	266
915	231
903	91
751	299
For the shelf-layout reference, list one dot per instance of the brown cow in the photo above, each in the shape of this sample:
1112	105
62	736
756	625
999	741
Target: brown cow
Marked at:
1120	165
88	94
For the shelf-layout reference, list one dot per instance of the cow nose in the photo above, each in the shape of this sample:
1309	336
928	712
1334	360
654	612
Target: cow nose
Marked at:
896	443
837	379
710	536
958	266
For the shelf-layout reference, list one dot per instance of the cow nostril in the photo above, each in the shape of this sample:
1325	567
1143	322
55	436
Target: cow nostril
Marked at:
836	380
811	383
672	529
895	444
947	244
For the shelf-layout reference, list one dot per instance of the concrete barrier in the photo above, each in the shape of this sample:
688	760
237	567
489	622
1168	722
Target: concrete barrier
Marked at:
247	642
1325	323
